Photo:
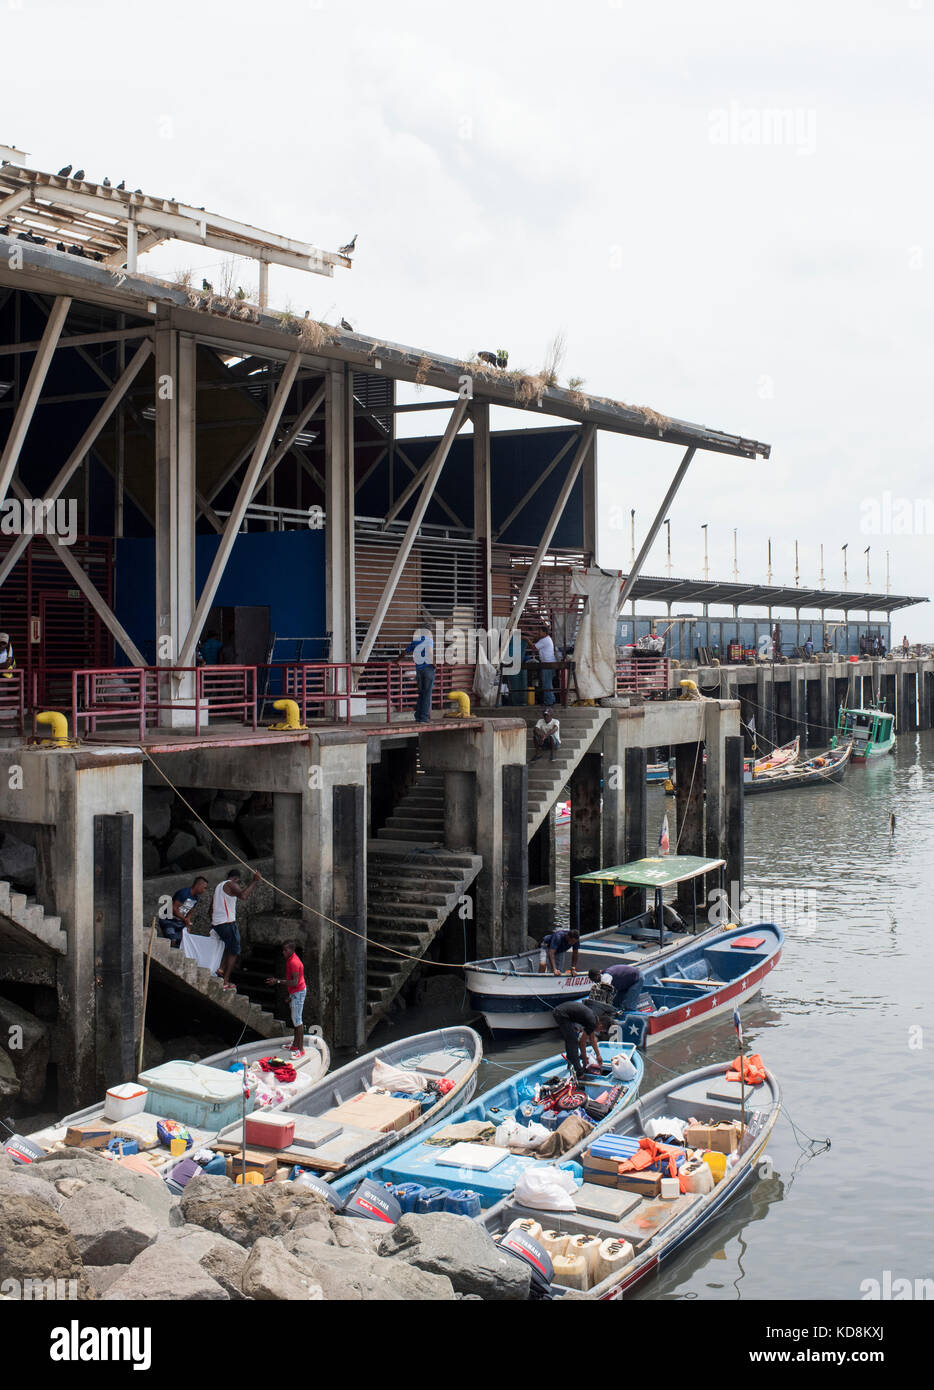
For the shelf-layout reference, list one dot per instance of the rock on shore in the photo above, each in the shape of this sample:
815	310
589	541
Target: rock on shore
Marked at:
94	1230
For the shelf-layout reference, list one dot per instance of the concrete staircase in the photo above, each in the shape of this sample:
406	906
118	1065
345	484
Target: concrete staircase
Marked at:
419	816
32	917
206	983
579	726
412	889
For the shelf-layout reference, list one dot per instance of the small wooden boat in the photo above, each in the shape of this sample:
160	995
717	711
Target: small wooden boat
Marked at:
871	730
659	1231
309	1069
656	772
696	983
425	1160
513	996
779	757
823	767
332	1143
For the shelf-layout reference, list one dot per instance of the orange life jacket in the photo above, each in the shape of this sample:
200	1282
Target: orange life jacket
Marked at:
649	1153
753	1070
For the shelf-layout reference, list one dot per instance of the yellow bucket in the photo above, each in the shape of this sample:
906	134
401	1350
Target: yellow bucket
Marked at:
249	1177
177	1147
716	1162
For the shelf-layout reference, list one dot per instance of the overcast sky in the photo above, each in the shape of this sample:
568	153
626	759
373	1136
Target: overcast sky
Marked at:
725	207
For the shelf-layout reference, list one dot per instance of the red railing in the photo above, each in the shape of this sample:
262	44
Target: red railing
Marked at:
643	675
13	699
140	693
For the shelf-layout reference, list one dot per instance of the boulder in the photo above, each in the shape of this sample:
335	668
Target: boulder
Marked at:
219	1257
36	1242
195	858
109	1227
17	861
271	1273
163	1273
9	1081
26	1040
100	1277
69	1187
461	1249
223	811
245	1214
89	1166
180	843
152	859
157	821
352	1274
258	831
22	1182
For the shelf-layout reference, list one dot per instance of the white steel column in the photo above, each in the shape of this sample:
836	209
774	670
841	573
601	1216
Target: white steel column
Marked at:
482	525
339	515
30	397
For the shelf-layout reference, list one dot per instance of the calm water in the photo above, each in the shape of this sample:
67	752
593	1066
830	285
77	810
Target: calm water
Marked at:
845	1023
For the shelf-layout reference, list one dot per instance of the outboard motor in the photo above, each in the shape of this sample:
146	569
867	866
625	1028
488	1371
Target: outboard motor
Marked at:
21	1149
371	1201
518	1243
302	1178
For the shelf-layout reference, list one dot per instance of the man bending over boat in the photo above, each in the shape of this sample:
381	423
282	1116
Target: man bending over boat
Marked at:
579	1022
553	950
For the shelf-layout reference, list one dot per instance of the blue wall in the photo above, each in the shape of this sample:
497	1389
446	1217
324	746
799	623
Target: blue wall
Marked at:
284	570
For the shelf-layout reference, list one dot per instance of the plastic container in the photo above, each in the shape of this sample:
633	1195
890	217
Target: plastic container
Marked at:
195	1094
716	1162
407	1194
532	1228
613	1255
463	1203
270	1131
555	1242
589	1247
699	1177
671	1189
122	1148
121	1102
570	1271
430	1199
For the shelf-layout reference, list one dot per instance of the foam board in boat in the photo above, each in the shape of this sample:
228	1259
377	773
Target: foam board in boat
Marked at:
438	1064
604	1203
482	1157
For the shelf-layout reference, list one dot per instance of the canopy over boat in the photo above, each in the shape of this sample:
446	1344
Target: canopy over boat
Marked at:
654	872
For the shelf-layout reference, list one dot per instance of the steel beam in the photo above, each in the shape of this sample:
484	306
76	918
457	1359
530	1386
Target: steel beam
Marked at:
77	455
586	440
546	473
655	527
29	399
78	340
482	524
244	497
458	415
340	603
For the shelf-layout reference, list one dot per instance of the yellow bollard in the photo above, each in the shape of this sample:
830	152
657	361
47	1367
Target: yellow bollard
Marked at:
462	700
58	726
290	709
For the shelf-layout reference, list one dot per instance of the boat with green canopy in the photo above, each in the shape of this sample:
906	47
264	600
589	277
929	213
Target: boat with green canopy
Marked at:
872	731
513	994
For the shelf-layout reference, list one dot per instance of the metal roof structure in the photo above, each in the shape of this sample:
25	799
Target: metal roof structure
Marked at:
115	226
735	595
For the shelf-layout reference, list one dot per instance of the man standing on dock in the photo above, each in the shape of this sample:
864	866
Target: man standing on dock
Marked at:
422	650
224	919
546	655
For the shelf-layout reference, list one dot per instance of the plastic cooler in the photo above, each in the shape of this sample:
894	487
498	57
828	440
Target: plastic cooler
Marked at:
270	1131
120	1102
194	1094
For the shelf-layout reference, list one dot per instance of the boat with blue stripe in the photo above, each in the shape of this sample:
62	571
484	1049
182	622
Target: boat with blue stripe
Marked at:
422	1160
657	1232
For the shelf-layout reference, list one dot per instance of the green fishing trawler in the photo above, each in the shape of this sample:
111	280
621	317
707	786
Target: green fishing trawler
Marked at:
872	732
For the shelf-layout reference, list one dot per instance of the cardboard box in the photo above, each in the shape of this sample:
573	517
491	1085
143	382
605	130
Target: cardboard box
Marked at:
255	1163
647	1184
89	1136
381	1113
723	1137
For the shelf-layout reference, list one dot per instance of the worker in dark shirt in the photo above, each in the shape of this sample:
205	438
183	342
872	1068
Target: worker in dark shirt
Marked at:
553	949
626	983
579	1023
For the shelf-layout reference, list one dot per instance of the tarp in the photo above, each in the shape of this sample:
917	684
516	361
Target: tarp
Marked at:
595	645
654	872
206	950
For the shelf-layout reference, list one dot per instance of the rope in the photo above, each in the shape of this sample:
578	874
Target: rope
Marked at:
391	950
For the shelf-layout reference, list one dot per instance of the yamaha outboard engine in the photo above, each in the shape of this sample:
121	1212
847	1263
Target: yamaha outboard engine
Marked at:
371	1201
316	1185
518	1243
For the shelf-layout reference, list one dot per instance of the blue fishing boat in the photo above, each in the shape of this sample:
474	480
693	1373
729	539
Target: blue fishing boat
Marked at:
453	1166
637	1235
700	981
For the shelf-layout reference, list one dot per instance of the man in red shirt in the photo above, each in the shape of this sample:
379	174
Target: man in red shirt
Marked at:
295	984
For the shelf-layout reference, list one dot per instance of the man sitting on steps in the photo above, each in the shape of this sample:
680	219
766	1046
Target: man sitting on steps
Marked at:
547	734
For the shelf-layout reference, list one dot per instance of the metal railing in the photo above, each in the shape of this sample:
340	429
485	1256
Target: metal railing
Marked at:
13	700
138	694
643	675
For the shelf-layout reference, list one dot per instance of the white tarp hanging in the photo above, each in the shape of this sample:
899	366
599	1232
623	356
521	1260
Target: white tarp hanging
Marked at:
595	647
485	679
206	950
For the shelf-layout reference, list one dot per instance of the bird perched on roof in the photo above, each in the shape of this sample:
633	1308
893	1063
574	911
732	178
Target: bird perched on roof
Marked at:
63	173
4	229
241	293
76	250
137	190
78	174
348	250
121	185
348	326
206	285
488	357
106	182
59	246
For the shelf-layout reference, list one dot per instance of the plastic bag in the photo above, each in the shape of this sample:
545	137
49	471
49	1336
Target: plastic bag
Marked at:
392	1078
546	1188
509	1132
621	1068
168	1130
665	1124
534	1135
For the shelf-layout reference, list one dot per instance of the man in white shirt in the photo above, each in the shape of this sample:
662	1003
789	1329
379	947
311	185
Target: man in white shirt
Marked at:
224	919
545	648
547	734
